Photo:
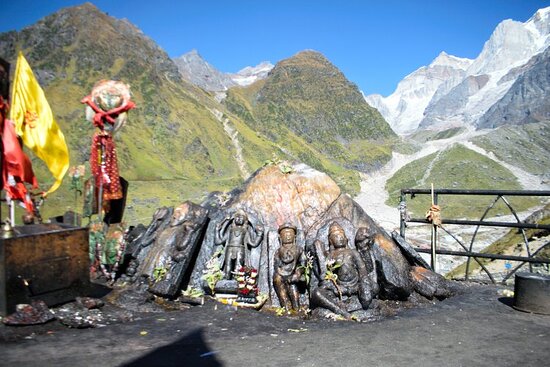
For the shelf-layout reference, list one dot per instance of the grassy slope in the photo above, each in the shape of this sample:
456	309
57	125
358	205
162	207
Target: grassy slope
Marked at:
313	114
526	146
289	145
172	149
426	135
460	168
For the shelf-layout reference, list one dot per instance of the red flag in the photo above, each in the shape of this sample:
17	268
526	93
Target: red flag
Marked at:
16	167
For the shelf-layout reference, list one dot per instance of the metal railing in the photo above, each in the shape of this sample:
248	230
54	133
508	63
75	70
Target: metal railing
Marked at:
500	195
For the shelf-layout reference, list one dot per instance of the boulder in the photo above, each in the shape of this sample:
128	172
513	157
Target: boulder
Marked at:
271	197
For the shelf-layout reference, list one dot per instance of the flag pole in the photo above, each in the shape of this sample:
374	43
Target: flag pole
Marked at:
12	213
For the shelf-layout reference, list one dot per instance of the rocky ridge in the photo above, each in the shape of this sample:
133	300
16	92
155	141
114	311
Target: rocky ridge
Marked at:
199	72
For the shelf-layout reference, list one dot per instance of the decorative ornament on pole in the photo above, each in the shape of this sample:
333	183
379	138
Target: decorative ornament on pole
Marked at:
107	107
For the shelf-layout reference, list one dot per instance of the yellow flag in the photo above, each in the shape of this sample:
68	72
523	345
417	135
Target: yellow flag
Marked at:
35	124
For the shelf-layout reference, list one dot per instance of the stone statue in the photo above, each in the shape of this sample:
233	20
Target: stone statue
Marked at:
236	234
363	244
173	249
288	263
345	275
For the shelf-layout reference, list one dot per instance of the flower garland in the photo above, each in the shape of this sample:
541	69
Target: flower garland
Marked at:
247	284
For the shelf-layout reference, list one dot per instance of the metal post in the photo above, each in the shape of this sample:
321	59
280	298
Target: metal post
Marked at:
402	223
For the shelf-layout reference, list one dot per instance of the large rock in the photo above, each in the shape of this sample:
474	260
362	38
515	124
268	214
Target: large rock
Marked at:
309	200
272	196
295	196
300	197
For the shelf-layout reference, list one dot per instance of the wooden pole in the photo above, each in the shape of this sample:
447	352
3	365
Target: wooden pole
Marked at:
100	193
12	213
434	235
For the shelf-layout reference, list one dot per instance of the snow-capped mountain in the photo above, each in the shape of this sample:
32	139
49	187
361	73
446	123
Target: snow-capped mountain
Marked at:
527	100
198	71
250	74
453	91
405	107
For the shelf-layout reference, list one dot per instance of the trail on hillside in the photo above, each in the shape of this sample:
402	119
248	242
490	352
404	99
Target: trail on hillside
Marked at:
233	135
373	195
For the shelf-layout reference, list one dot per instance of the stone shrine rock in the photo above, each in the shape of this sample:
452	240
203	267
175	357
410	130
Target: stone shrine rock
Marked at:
270	198
249	218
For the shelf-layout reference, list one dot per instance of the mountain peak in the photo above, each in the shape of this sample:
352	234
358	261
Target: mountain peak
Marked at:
540	16
308	54
198	71
444	59
191	55
539	24
251	74
307	97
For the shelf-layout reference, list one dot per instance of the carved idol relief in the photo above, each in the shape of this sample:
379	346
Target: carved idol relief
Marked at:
345	275
173	248
236	234
364	240
288	267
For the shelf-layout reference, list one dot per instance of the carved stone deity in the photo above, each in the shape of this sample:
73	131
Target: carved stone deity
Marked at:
363	244
345	275
288	267
236	234
173	248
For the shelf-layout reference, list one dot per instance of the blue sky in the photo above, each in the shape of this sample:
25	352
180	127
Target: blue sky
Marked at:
374	42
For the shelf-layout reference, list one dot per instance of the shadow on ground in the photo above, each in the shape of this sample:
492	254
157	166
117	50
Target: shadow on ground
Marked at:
190	350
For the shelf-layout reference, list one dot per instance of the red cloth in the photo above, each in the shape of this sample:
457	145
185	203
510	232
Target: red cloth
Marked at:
108	176
110	116
16	164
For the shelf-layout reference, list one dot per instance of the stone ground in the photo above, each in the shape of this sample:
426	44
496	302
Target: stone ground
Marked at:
477	327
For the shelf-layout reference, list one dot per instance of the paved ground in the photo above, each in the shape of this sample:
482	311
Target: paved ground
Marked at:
475	328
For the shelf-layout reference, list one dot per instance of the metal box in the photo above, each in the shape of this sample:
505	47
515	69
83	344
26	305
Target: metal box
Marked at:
47	262
532	293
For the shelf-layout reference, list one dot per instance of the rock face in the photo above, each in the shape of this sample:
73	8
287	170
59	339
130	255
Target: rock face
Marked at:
163	253
199	72
272	198
404	108
311	201
196	70
527	100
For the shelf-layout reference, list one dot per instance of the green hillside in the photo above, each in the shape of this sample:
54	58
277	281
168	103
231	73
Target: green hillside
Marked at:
308	107
459	168
175	146
525	146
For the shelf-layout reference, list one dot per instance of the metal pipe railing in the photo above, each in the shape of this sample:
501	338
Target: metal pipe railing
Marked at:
500	195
